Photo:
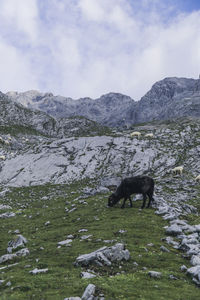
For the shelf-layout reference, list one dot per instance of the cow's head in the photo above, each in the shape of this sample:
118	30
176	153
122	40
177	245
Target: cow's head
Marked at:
112	200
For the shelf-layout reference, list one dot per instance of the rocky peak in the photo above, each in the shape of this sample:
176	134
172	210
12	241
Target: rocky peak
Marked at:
167	99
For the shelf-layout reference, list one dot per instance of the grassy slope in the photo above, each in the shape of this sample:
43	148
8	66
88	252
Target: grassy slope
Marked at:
121	281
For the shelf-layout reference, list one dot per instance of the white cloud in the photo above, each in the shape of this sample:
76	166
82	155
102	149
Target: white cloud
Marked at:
80	48
20	15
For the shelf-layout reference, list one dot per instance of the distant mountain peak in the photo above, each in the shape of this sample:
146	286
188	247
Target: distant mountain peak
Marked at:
168	98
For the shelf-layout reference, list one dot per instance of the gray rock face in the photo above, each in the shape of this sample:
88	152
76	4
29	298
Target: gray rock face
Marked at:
169	98
14	113
104	110
104	256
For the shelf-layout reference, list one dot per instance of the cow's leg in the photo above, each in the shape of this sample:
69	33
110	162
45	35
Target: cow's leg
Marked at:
151	199
131	204
144	200
123	205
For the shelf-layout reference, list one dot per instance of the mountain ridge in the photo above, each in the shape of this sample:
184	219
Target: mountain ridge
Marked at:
169	98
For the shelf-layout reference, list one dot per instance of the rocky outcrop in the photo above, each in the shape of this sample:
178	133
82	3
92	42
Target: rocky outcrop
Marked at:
104	256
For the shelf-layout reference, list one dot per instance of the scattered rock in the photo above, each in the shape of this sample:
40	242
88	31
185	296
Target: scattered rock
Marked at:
65	242
164	249
195	260
87	275
183	268
47	223
7	257
155	274
89	292
38	271
7	215
18	242
104	256
85	237
174	229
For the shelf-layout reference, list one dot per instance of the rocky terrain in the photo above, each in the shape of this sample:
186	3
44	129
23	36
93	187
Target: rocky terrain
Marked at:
41	160
58	237
17	118
168	99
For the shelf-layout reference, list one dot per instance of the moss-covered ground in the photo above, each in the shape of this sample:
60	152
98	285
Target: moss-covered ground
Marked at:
34	206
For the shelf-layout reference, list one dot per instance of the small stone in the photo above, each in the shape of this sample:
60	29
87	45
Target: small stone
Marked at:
183	268
155	274
89	292
38	271
65	242
85	237
83	230
70	236
164	249
150	245
8	283
87	275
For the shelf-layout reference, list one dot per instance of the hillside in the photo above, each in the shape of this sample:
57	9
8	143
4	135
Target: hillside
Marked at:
15	117
168	99
54	193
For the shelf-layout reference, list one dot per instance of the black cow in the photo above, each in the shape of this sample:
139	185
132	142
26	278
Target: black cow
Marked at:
134	185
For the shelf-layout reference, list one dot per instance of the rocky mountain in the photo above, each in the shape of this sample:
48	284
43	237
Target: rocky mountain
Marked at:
168	99
13	114
111	109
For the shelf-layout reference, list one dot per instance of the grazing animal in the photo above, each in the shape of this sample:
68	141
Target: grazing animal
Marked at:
178	170
197	178
149	135
2	157
135	133
134	185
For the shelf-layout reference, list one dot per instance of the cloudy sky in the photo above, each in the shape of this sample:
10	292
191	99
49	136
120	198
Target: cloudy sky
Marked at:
79	48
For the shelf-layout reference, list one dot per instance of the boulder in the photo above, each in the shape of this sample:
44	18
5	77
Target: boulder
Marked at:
104	256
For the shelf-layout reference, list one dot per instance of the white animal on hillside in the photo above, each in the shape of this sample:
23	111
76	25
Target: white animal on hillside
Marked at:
135	133
6	142
149	135
178	170
2	157
197	178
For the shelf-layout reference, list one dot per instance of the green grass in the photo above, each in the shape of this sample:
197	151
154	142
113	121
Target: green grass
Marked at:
16	130
123	280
